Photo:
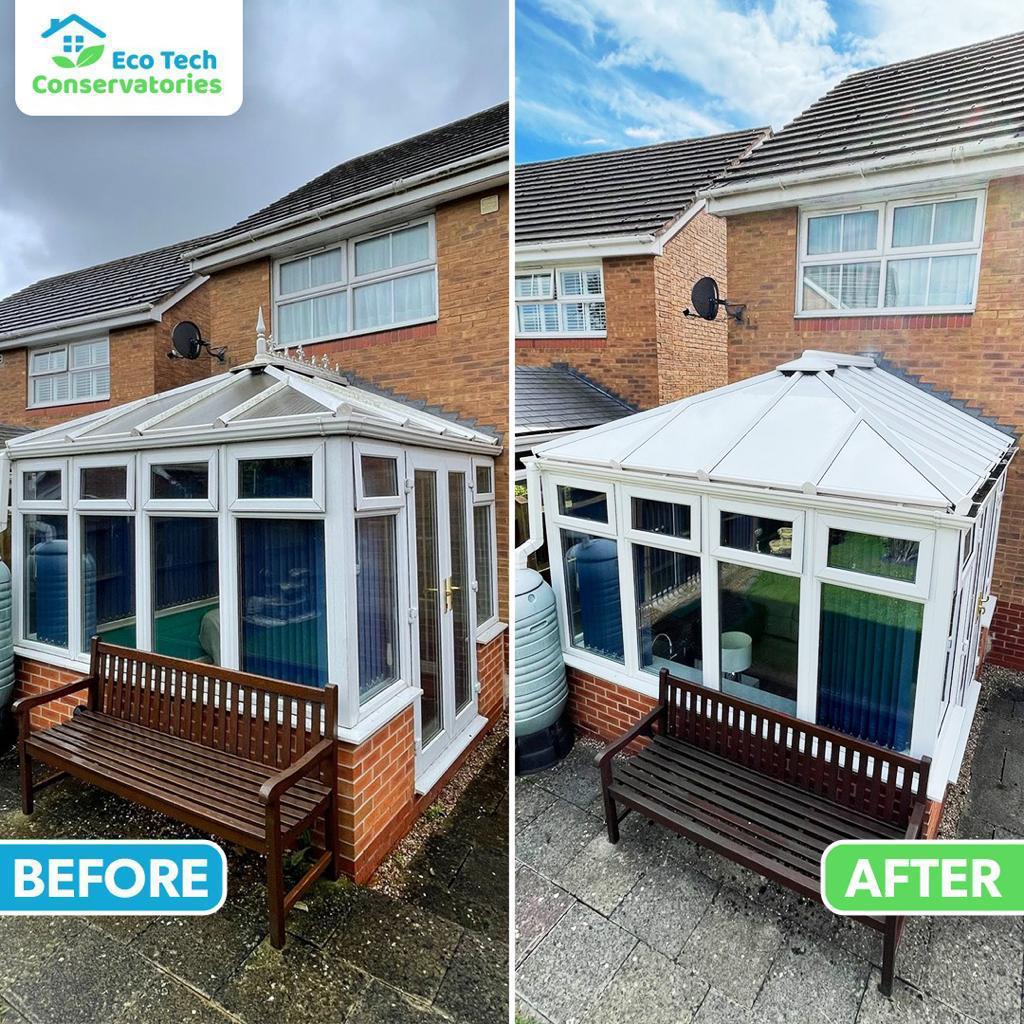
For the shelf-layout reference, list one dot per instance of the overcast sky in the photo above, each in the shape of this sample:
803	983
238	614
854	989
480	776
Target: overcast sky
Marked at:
593	75
325	80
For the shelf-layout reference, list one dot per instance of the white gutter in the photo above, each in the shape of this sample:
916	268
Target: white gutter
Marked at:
535	517
982	160
485	169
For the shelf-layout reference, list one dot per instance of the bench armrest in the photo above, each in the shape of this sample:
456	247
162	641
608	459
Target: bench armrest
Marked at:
916	821
25	704
645	727
275	786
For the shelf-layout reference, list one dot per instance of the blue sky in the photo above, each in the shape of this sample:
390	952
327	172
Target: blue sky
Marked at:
593	75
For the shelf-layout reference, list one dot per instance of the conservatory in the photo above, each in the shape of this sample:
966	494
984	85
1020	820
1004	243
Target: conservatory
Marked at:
817	540
275	519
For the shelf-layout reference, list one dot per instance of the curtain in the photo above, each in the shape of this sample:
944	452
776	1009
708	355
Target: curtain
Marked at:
373	304
860	285
414	296
954	222
373	255
293	322
824	234
912	225
952	281
327	315
484	562
860	231
821	286
906	283
867	671
410	245
108	579
294	276
376	604
283	599
325	268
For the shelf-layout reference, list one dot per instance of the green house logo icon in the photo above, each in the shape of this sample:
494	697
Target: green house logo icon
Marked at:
78	41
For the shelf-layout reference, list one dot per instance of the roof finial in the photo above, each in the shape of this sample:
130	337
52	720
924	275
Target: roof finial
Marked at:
261	334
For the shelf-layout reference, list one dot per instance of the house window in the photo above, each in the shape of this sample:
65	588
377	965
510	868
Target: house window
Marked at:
561	300
371	283
79	372
908	255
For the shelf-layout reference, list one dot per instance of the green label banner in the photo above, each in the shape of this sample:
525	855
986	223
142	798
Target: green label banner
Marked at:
953	876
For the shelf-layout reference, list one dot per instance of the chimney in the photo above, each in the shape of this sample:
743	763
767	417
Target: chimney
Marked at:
54	24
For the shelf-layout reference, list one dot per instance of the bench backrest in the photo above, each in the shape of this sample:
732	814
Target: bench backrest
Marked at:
250	716
853	773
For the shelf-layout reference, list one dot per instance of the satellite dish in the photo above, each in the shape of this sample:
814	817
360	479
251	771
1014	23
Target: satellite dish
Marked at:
704	296
188	342
706	301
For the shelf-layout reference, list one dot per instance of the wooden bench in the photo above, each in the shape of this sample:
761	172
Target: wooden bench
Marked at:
763	789
248	759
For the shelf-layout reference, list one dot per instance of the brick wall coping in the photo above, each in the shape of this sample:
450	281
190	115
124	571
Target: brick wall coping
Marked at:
486	635
378	719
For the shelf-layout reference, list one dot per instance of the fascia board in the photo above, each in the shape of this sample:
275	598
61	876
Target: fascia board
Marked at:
531	253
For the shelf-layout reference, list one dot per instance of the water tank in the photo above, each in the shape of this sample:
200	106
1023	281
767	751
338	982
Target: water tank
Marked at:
596	562
543	731
6	639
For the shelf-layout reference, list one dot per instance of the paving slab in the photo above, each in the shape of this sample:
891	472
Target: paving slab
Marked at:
907	1005
322	911
475	989
400	944
556	836
531	800
383	1005
567	973
665	906
575	778
540	905
601	873
733	947
649	989
166	1001
809	982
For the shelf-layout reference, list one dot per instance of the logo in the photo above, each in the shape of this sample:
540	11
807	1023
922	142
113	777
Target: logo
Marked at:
73	32
122	57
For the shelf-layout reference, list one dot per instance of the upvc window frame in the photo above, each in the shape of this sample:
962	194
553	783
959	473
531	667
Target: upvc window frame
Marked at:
19	558
686	545
68	372
918	590
793	565
88	506
350	281
22	468
885	253
277	507
552	511
378	503
555	269
479	497
483	626
175	457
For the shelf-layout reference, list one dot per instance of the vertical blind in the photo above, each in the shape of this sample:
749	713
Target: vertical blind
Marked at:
108	579
376	604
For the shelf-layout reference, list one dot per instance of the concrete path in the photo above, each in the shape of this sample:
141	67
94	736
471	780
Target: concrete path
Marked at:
657	931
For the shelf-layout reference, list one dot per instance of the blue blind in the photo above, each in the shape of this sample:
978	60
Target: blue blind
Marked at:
376	604
108	579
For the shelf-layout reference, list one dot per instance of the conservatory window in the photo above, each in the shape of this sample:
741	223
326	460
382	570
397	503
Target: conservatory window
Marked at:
103	483
561	300
892	558
108	579
668	611
758	534
759	622
275	478
376	282
186	588
282	599
591	568
665	518
78	372
183	481
42	485
484	480
380	476
376	604
869	649
582	503
45	541
907	255
483	559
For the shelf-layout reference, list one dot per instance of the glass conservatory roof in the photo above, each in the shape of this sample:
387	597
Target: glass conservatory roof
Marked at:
825	423
271	398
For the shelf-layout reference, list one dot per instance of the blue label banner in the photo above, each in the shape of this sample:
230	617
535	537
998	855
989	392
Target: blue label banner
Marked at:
100	876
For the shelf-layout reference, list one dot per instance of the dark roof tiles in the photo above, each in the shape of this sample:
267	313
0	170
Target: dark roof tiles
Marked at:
625	192
559	398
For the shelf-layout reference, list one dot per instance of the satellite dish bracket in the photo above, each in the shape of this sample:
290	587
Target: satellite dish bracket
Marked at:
187	335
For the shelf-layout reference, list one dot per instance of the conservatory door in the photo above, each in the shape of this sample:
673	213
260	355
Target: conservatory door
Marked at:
444	628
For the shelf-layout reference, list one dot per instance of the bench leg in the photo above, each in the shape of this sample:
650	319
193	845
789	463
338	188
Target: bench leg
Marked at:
890	942
611	817
275	882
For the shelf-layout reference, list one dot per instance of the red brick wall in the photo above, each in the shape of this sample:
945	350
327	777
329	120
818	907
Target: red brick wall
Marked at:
978	358
33	677
603	710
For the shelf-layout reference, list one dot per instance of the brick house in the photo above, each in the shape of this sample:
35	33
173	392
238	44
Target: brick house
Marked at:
391	267
608	246
888	218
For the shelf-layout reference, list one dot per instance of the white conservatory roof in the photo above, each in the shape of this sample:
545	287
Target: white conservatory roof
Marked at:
273	397
826	424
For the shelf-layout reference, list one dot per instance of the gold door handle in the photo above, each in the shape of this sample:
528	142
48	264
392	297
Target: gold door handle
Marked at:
449	594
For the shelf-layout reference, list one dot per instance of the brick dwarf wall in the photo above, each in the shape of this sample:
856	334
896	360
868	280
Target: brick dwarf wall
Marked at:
651	354
978	357
377	802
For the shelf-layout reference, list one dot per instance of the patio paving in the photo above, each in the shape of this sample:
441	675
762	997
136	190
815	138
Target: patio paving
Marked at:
658	931
429	948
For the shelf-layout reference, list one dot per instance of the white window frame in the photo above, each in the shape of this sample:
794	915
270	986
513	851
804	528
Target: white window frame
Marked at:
277	507
791	565
687	545
480	497
884	253
919	590
380	503
561	301
66	372
350	282
581	525
180	456
485	625
90	505
36	466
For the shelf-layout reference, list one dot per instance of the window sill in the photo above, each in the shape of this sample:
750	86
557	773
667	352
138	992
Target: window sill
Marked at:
563	336
833	314
383	329
376	720
486	634
50	656
430	778
73	401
